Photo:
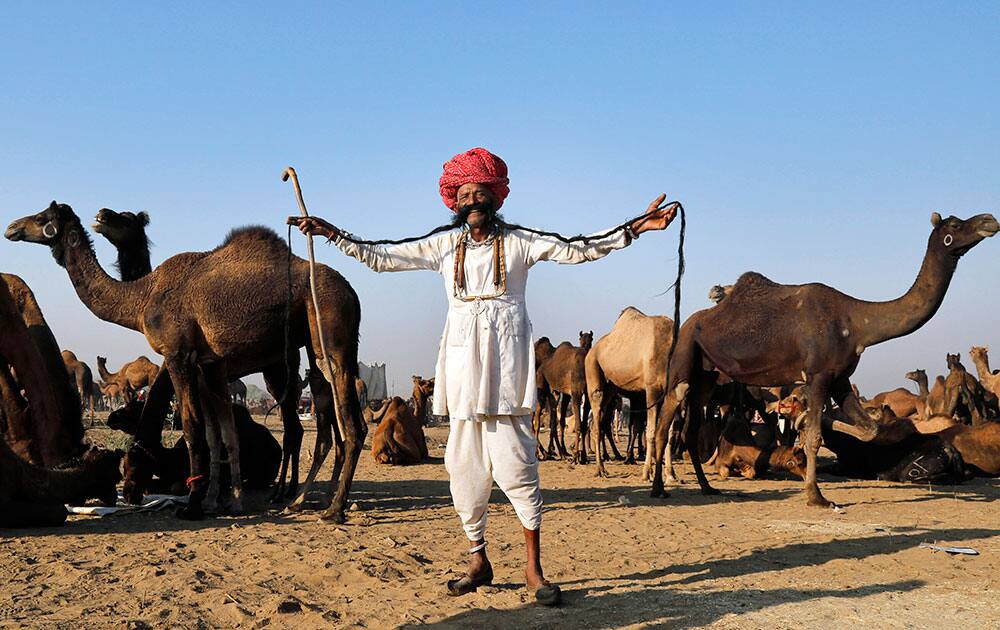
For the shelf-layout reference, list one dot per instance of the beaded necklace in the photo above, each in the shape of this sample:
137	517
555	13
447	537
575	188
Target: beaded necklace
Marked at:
499	267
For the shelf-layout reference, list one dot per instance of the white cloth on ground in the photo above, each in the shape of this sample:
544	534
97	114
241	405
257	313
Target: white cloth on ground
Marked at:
486	358
500	449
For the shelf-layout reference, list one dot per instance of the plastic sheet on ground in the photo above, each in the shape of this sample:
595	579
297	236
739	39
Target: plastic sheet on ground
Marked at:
150	503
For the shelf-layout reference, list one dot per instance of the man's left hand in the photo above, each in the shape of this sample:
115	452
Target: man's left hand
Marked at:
658	217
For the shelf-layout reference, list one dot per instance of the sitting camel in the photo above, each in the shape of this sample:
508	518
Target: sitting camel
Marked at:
752	461
46	429
399	438
563	373
632	358
769	334
260	455
902	401
423	388
219	315
979	446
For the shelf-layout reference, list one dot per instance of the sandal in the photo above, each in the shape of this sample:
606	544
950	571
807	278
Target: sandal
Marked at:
467	584
548	594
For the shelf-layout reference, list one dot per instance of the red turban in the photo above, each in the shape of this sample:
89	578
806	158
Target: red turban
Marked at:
475	166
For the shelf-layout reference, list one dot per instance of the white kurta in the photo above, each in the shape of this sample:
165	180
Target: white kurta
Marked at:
486	360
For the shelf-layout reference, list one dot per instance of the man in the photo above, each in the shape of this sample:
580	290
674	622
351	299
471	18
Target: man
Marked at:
484	379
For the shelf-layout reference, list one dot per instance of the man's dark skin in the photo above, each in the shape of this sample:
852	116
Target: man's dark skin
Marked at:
480	223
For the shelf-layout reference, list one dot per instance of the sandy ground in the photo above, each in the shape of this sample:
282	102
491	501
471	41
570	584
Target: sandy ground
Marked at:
755	557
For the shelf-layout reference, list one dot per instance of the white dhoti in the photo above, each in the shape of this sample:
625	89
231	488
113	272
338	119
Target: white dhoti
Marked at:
500	449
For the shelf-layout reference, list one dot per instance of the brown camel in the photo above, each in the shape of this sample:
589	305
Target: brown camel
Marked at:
979	446
33	496
423	388
219	315
544	350
769	334
45	429
902	401
81	374
751	461
132	376
632	358
964	396
127	232
399	438
989	379
564	373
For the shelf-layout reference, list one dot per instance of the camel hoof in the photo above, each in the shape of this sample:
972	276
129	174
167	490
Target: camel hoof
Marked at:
819	502
190	513
336	516
601	473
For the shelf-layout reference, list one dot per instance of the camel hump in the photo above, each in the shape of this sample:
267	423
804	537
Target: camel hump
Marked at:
752	279
248	234
631	311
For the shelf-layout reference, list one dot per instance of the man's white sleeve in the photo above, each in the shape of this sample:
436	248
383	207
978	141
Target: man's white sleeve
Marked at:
550	248
423	254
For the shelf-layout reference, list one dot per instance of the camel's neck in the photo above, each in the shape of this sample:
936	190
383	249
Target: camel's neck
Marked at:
419	404
982	367
922	386
102	369
882	321
120	303
133	263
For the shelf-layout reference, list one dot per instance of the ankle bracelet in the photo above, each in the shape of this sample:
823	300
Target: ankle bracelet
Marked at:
478	548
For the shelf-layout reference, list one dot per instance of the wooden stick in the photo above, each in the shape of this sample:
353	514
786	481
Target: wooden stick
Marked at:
327	363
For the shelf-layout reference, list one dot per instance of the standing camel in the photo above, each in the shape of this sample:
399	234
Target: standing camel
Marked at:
769	334
132	376
218	315
81	374
632	358
126	231
989	379
563	373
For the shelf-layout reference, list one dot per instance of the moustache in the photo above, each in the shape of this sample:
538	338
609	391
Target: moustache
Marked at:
465	211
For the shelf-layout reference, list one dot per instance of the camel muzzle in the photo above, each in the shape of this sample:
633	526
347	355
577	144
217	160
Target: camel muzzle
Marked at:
15	232
989	226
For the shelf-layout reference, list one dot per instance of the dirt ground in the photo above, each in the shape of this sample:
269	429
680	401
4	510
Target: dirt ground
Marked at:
755	557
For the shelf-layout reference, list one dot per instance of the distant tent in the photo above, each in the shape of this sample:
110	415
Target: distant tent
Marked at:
374	377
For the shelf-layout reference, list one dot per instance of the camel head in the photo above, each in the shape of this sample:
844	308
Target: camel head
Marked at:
423	385
954	362
916	375
789	459
979	353
955	237
126	419
719	292
57	226
586	339
122	228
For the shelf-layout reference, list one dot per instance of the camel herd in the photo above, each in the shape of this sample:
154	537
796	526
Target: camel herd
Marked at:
755	383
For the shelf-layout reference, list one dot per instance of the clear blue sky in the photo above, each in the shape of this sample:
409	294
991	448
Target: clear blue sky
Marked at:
809	141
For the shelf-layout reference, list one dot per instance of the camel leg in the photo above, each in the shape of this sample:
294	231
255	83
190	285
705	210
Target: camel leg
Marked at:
864	428
580	443
555	451
194	434
220	407
670	405
653	418
696	412
322	397
211	503
599	405
609	433
277	378
813	439
352	440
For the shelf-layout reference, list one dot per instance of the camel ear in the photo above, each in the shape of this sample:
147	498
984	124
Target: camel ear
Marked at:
935	219
143	218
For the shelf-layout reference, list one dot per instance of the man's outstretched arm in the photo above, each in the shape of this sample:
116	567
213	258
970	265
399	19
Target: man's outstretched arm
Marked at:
422	254
657	217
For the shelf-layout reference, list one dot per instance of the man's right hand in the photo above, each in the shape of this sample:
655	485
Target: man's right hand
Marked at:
314	226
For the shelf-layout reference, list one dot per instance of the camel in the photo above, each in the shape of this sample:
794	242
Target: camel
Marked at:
238	392
563	372
979	446
33	496
751	461
423	388
632	358
989	379
47	428
127	232
903	402
964	396
83	377
399	438
544	350
132	376
769	335
260	455
219	315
